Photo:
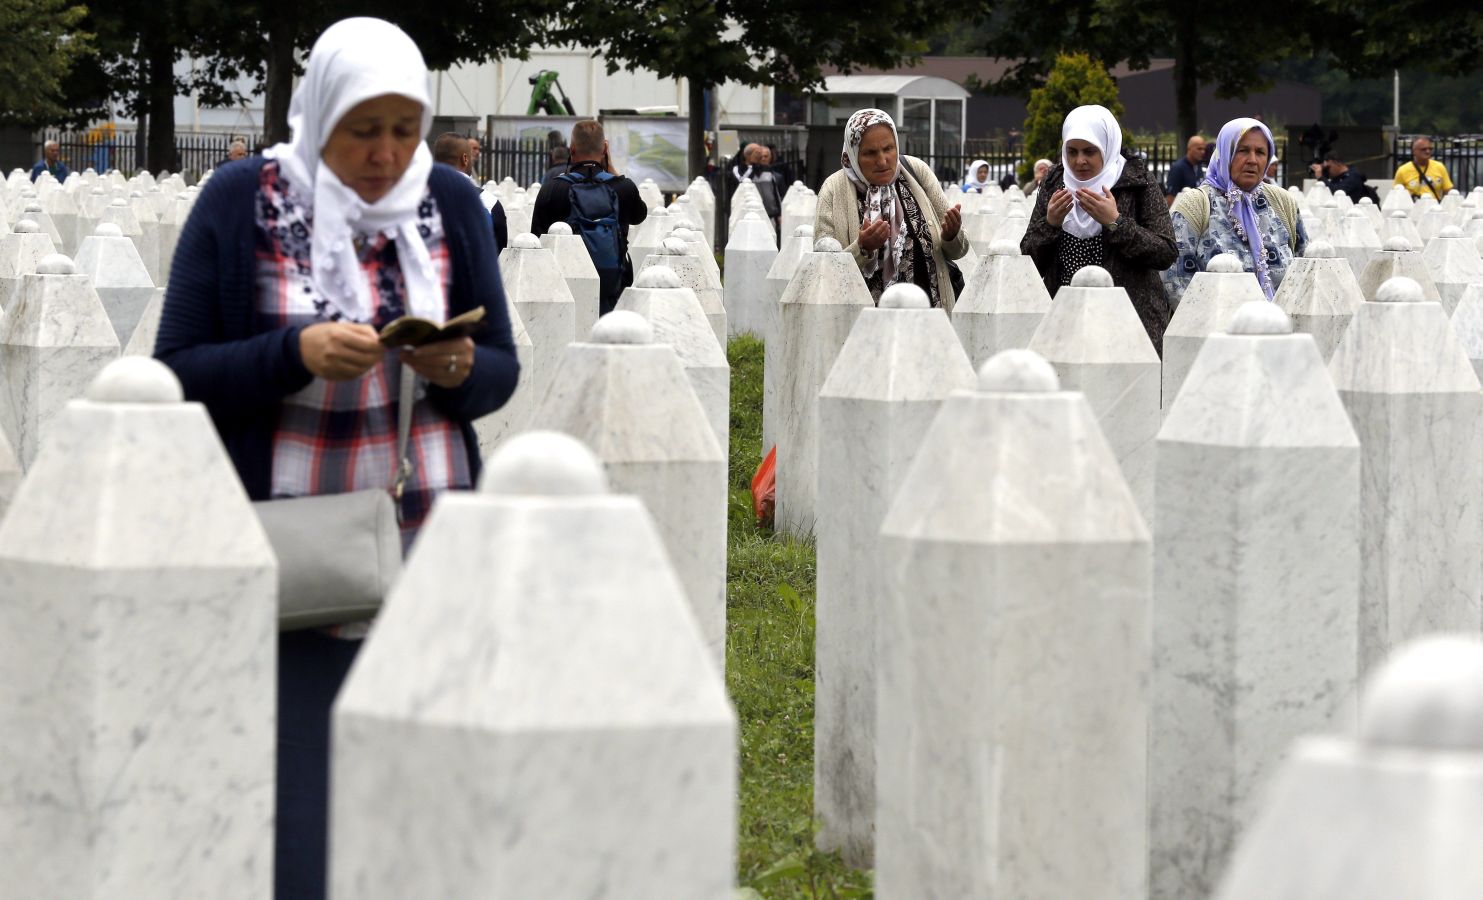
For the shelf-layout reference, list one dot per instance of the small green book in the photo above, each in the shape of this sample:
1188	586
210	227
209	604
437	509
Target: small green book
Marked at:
411	331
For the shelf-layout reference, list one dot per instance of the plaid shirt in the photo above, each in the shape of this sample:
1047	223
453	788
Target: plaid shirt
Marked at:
339	436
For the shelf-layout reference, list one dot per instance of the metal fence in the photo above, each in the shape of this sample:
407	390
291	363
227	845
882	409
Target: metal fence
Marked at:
523	159
106	147
1461	154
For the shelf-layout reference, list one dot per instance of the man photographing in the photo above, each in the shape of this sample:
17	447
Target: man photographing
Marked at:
1423	175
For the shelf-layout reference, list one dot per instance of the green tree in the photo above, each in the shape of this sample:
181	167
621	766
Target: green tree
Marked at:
44	39
1074	80
784	42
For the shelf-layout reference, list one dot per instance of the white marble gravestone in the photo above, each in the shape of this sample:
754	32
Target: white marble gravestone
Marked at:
897	366
54	340
1320	294
20	251
1467	324
1453	263
566	736
1256	587
10	474
627	397
1092	336
119	212
580	275
1002	303
778	275
33	211
1398	260
1397	200
149	244
674	312
648	235
1213	296
1373	215
680	257
1414	400
1399	224
535	286
112	264
750	253
137	657
819	308
1013	655
980	227
513	417
1392	811
1355	239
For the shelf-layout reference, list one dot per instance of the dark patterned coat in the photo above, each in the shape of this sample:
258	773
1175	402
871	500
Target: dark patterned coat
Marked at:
1135	255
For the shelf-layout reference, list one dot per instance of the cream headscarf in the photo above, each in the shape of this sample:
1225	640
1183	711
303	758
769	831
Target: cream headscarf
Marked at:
353	61
881	201
1095	125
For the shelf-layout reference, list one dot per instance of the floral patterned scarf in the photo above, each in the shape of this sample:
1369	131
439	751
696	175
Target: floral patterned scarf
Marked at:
878	202
1242	203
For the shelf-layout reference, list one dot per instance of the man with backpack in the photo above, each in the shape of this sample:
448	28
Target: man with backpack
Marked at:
599	204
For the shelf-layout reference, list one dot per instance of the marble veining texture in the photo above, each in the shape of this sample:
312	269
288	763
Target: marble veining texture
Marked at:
118	275
647	237
1207	306
1453	264
750	253
53	341
10	474
510	419
1094	339
878	401
137	665
1256	603
64	211
778	276
149	239
1467	324
1002	305
694	276
1320	295
568	736
1388	264
633	406
1415	402
533	282
142	339
1014	661
678	321
818	310
19	254
581	278
1355	240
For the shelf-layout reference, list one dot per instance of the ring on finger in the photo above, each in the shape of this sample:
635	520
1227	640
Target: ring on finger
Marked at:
452	363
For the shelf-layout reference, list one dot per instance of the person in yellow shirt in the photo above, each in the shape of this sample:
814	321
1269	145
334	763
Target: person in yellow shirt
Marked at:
1423	175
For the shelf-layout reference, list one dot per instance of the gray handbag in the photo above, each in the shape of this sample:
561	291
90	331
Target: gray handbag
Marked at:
339	554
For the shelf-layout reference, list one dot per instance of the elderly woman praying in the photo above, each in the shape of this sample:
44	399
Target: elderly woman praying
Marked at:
889	212
1233	211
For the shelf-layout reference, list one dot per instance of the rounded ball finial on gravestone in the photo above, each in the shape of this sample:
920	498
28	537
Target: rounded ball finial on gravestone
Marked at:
559	228
1429	694
1224	264
1260	317
1400	290
1450	231
118	201
1320	250
1338	194
1088	276
827	245
1399	243
1018	372
1366	201
1004	248
658	277
674	246
108	229
1016	211
684	234
56	264
622	327
98	192
1399	214
661	212
136	379
31	206
905	296
543	464
1355	213
27	226
804	231
526	241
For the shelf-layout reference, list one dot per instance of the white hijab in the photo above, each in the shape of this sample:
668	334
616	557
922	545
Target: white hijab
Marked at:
1095	125
970	178
353	61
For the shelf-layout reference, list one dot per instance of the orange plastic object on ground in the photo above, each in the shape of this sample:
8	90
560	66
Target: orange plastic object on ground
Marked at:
765	488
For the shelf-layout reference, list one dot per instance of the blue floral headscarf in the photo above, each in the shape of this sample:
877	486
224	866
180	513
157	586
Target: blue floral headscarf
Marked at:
1242	203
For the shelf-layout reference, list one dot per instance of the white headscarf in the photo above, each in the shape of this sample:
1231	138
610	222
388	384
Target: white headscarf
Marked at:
881	201
1095	125
353	61
970	178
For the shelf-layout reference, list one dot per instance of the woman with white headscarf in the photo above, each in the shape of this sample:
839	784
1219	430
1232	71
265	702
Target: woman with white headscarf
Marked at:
1101	207
976	179
889	212
288	267
1235	211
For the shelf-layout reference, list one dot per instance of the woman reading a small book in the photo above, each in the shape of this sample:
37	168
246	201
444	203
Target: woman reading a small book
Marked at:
284	276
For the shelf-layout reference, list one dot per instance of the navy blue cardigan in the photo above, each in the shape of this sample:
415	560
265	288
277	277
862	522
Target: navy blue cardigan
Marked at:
214	340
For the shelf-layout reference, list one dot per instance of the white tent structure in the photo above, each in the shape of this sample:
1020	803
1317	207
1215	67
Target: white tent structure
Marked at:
930	112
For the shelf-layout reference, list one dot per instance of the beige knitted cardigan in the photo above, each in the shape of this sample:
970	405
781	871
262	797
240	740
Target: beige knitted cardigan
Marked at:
838	217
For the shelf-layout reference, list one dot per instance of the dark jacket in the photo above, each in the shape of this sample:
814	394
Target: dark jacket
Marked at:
210	333
554	204
1352	183
60	173
1141	248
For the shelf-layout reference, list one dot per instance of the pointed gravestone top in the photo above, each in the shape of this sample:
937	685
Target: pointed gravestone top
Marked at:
136	379
558	228
1018	372
1006	248
905	296
526	241
1400	290
804	231
1428	695
1260	317
544	464
657	277
1224	264
1319	250
1096	276
27	226
1450	231
827	245
56	264
622	327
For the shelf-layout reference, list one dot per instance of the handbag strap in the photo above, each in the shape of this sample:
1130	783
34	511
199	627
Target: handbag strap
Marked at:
404	434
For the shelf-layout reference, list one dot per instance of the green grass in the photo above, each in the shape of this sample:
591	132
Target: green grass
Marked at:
770	673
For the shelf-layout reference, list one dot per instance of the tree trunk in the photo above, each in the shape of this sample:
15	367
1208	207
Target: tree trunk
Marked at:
1186	80
697	128
161	142
279	84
